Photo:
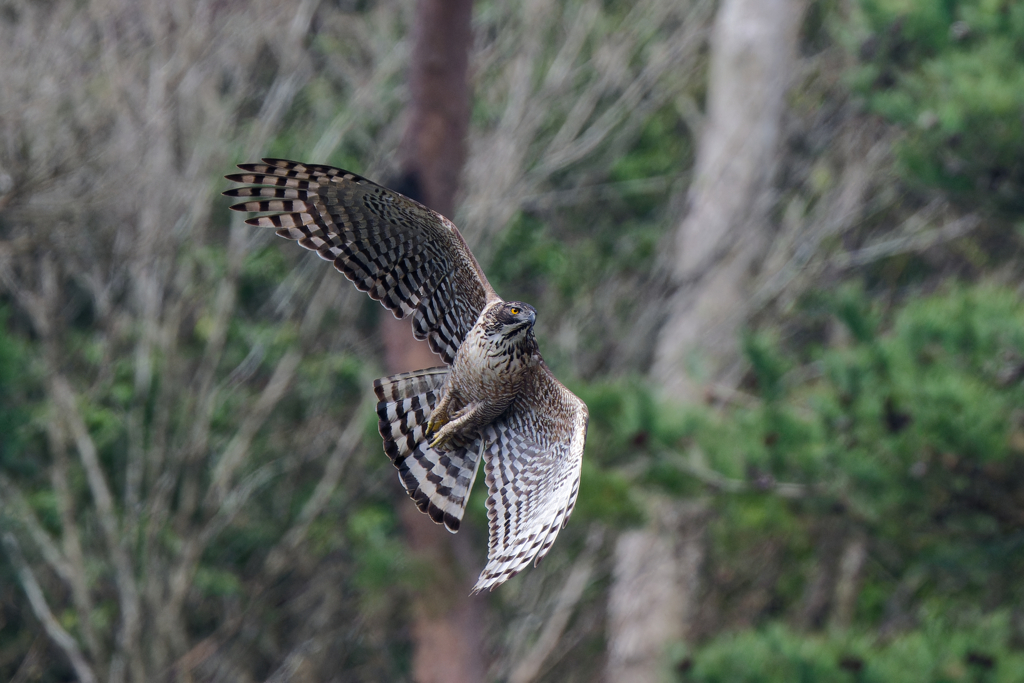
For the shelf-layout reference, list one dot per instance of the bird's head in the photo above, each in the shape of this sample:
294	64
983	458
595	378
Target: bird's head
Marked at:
516	314
511	320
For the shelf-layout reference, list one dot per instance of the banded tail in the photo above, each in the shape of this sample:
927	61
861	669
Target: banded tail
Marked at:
439	482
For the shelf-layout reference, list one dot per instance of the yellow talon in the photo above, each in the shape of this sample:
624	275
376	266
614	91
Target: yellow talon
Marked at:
434	425
440	440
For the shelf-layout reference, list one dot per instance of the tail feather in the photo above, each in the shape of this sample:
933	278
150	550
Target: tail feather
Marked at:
438	481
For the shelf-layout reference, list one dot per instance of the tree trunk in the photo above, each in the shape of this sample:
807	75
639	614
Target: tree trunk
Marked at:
722	238
821	587
655	586
851	566
447	623
655	582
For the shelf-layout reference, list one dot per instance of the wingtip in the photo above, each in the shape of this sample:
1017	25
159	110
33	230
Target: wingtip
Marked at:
490	582
452	523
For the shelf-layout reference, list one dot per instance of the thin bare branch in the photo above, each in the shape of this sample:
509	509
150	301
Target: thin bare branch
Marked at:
13	505
293	662
347	443
41	609
27	669
515	159
694	465
64	399
238	448
57	440
529	667
906	244
188	558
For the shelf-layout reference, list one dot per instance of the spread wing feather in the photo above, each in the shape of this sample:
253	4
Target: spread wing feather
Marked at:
410	258
439	482
533	460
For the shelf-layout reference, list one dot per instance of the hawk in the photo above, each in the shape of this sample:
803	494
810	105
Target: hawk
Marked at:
494	400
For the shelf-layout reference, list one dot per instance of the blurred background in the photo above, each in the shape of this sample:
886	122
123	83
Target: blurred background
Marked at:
775	245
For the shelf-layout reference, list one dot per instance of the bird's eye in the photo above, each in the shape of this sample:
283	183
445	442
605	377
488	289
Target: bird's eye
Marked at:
514	310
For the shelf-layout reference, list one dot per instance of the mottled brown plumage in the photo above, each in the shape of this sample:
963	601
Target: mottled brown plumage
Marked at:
496	402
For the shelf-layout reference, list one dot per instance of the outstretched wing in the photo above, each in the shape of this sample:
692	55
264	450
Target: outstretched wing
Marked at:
533	464
410	258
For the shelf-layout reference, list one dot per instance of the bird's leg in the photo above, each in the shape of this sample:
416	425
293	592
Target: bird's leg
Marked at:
462	417
439	415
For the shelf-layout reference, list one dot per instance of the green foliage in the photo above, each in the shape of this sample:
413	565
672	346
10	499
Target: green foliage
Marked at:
525	253
262	271
910	431
952	75
215	582
605	496
382	560
939	652
15	412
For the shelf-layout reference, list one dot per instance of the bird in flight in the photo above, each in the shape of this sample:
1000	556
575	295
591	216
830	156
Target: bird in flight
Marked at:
493	401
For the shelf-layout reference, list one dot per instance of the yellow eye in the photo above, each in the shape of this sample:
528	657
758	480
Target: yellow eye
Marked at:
515	311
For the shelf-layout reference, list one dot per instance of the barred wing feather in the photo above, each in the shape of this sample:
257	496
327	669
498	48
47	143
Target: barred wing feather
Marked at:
403	254
439	482
533	464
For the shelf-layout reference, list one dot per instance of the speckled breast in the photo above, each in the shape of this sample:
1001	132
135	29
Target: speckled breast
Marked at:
491	370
